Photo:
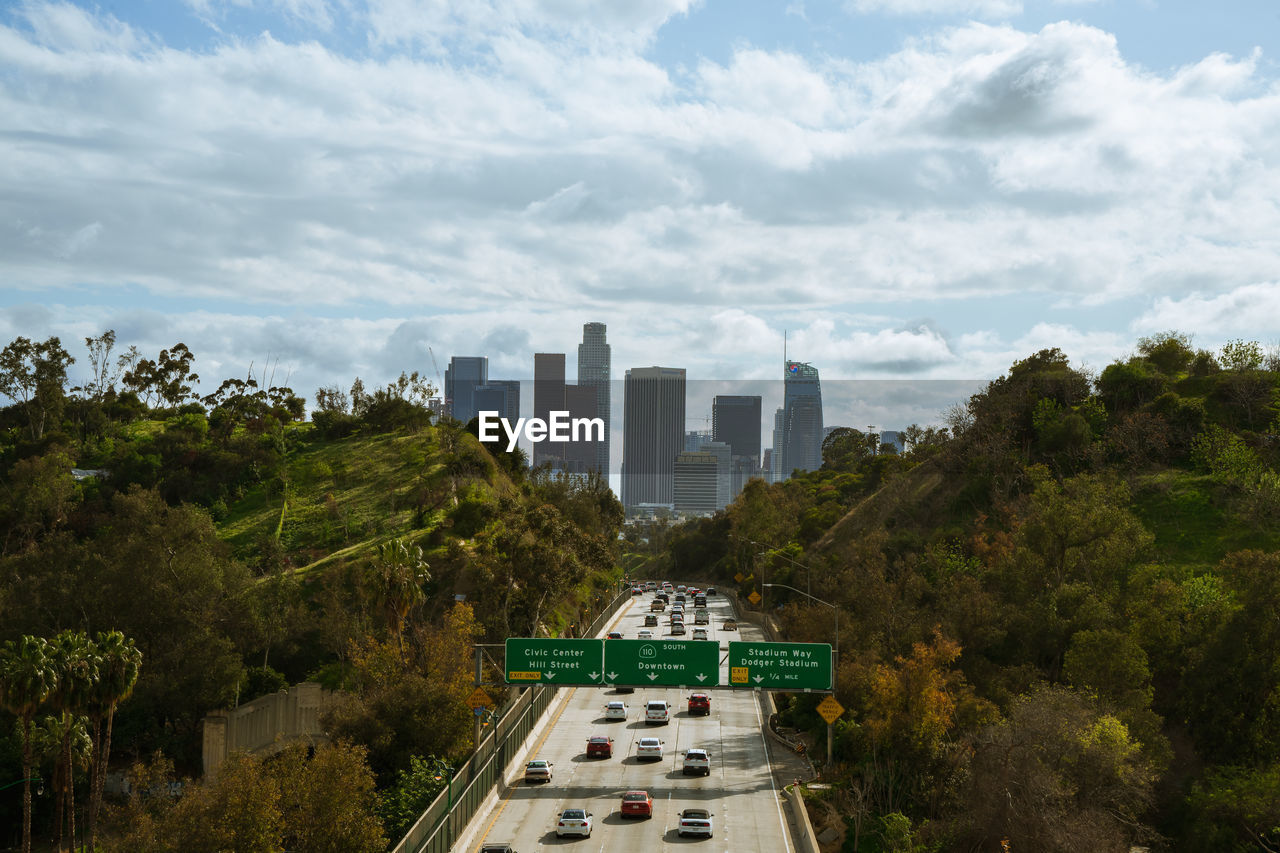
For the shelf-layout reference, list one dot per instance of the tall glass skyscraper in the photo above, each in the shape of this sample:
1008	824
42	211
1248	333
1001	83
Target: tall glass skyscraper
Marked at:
593	372
653	434
461	377
801	419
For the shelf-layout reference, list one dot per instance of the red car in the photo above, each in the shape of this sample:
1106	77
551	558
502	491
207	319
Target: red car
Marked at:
699	703
637	804
599	745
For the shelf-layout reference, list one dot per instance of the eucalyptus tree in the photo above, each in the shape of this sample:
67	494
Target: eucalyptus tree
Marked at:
27	677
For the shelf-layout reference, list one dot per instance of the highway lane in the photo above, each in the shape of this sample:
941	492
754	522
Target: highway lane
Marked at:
740	791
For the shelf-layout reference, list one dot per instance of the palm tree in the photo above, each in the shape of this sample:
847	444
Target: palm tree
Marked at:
119	661
400	572
75	659
27	677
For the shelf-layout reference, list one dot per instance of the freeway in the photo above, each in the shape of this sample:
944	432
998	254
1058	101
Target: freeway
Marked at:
741	792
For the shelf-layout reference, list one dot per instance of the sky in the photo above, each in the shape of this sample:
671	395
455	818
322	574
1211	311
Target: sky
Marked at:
912	191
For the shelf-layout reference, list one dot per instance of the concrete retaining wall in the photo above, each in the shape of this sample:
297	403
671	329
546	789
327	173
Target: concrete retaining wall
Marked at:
266	723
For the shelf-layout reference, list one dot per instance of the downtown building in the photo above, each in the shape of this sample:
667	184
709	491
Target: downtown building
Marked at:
735	421
653	435
800	422
464	374
589	398
594	373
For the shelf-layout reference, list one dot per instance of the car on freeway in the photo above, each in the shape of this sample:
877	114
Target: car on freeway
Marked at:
697	761
637	804
635	590
657	712
700	634
657	605
701	617
711	590
615	710
677	628
680	588
650	619
599	746
700	601
649	747
538	770
694	822
677	616
651	586
614	635
497	848
644	634
730	625
663	597
699	703
680	599
574	822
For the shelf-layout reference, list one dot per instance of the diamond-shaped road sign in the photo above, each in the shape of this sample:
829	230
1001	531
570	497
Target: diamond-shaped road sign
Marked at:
739	578
479	699
754	597
830	710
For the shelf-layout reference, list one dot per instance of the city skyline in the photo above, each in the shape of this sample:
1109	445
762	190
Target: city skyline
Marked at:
937	189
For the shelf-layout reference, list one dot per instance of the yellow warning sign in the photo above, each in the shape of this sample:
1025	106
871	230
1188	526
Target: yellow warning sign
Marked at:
479	699
737	675
830	710
754	597
524	676
739	577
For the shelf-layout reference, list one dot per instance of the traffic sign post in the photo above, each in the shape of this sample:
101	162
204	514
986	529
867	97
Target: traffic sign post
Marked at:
780	666
672	663
540	660
830	710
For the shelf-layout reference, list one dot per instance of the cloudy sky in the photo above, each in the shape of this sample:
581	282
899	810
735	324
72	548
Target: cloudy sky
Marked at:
913	189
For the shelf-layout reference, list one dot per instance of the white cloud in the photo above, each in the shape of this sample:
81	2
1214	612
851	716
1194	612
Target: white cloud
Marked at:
979	8
1248	310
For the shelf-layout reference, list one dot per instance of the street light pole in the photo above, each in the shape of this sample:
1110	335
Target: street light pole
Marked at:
835	654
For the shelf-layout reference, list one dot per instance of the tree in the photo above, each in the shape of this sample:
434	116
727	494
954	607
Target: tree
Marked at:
1239	355
173	372
399	573
102	377
1237	808
27	677
35	376
1170	352
118	663
75	660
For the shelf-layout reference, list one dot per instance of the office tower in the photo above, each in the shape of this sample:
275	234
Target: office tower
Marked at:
723	454
695	483
594	372
766	465
501	396
893	438
735	420
653	433
776	474
548	397
580	457
461	377
802	419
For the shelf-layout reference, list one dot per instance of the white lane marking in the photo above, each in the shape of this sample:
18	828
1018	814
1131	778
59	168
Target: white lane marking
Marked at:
786	831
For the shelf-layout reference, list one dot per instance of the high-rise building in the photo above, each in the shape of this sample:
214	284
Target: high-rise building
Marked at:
776	474
695	438
548	397
580	457
724	470
695	489
802	419
653	433
501	396
594	372
461	377
735	420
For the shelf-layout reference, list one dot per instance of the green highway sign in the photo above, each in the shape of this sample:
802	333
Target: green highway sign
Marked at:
680	663
780	666
541	660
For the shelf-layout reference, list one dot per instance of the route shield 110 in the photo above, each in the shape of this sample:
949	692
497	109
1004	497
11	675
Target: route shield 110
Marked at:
672	663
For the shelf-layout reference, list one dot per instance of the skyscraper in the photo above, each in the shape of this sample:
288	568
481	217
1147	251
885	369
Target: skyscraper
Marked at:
501	396
653	433
735	420
802	419
461	377
776	472
594	372
695	483
548	396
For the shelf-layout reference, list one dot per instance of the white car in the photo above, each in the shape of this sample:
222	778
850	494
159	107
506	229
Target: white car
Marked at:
574	822
695	822
657	712
697	762
615	710
649	747
538	770
646	634
700	633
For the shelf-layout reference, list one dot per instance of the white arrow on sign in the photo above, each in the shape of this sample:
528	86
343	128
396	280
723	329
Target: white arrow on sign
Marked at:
700	677
594	675
758	679
653	676
549	675
613	676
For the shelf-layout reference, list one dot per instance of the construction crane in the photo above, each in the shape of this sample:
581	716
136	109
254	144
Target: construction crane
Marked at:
439	378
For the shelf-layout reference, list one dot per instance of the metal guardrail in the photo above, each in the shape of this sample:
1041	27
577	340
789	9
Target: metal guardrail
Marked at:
447	817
